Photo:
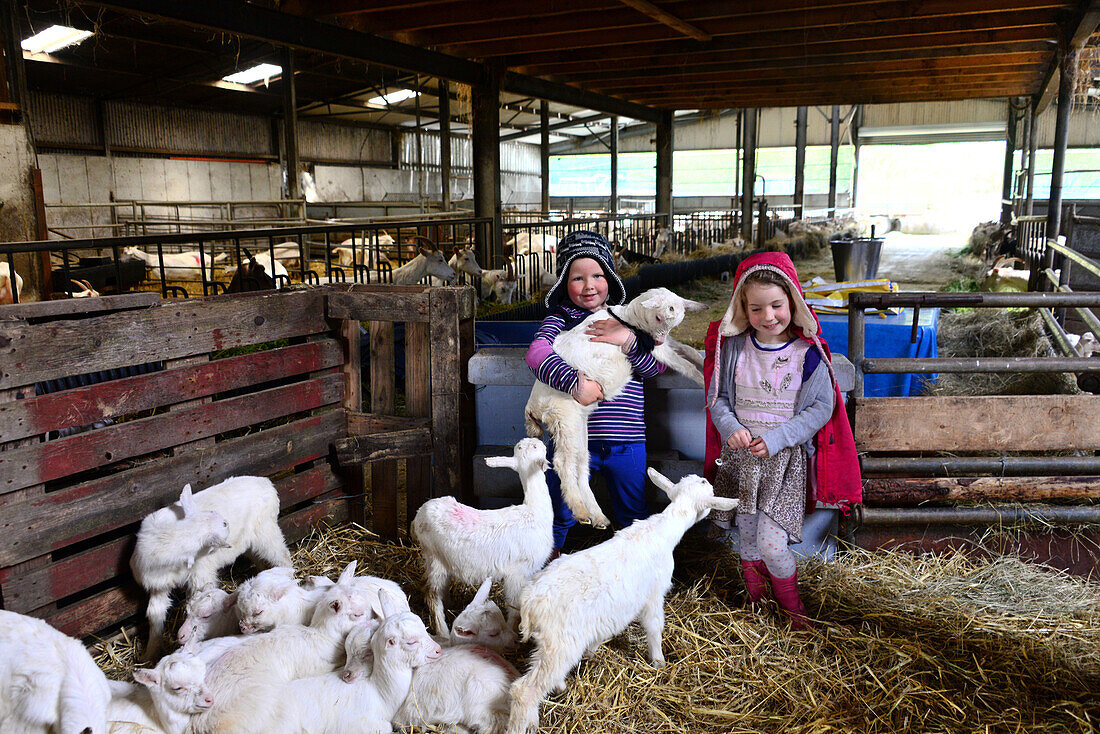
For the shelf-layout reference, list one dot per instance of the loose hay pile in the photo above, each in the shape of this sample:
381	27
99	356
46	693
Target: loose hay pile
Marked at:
905	643
987	332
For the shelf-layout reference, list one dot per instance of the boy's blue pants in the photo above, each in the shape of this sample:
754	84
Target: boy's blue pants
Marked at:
623	466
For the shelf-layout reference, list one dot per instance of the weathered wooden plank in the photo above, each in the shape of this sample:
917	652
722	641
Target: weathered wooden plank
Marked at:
353	477
98	612
893	491
23	592
58	519
383	475
418	402
990	423
467	420
331	509
364	424
379	306
85	405
172	329
384	446
65	456
81	306
446	367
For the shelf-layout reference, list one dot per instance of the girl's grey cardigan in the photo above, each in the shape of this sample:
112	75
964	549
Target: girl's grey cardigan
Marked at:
812	411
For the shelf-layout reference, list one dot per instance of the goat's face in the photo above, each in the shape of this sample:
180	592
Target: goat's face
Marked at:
436	265
530	452
660	310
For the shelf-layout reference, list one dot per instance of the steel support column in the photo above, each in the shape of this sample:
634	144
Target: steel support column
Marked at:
1032	149
664	165
800	125
486	149
544	154
613	204
834	157
1010	162
290	124
748	142
1066	85
445	144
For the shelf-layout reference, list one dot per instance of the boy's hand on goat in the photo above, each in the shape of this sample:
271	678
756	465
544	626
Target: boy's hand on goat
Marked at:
587	391
610	331
739	439
758	448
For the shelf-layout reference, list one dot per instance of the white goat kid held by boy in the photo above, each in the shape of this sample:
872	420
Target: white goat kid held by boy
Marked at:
655	312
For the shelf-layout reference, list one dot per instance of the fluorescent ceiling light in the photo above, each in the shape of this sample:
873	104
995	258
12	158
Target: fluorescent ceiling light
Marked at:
54	38
393	97
255	74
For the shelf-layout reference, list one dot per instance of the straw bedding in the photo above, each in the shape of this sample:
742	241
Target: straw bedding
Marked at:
904	643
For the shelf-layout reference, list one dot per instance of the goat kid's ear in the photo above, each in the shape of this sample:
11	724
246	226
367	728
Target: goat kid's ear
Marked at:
482	594
661	481
348	574
147	677
724	504
694	305
385	601
187	502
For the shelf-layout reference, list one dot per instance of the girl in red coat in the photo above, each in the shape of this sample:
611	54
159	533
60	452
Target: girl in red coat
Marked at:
776	415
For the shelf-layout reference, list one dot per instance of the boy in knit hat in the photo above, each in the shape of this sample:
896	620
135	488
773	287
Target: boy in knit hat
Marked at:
586	283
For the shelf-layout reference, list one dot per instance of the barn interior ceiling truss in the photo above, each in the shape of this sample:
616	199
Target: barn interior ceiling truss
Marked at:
628	58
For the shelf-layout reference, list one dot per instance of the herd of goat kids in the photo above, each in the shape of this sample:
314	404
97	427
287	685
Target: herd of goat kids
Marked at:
281	654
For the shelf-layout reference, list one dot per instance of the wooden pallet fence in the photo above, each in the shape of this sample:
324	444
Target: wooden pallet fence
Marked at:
434	436
251	384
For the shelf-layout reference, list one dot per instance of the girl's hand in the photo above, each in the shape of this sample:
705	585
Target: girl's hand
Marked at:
758	448
609	331
739	439
587	391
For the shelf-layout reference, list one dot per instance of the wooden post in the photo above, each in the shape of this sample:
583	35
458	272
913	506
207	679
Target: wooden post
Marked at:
383	474
446	376
352	476
418	403
800	125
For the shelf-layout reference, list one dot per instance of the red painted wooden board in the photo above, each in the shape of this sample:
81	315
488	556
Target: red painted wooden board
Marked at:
52	521
43	462
85	405
22	592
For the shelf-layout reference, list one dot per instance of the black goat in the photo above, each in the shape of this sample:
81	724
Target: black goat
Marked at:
250	276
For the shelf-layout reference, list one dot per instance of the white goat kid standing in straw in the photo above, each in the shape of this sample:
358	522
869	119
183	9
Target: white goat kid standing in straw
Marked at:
187	542
468	544
584	599
656	312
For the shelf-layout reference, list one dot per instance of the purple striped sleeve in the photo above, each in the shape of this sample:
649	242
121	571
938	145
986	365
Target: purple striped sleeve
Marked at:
643	362
544	361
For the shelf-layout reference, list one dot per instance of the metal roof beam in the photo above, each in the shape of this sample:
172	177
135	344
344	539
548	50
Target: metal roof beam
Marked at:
555	126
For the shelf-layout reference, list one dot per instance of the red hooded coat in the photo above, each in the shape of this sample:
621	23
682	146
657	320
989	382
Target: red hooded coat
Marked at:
836	464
